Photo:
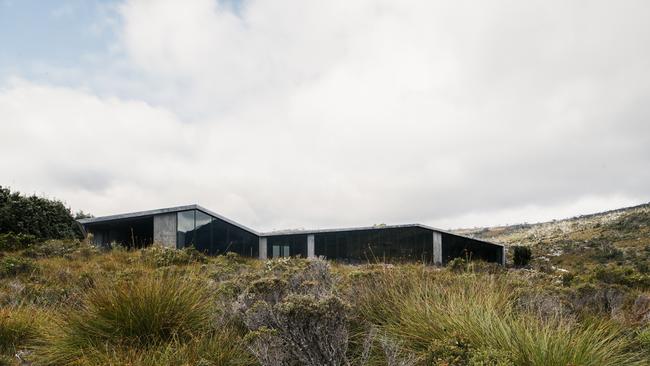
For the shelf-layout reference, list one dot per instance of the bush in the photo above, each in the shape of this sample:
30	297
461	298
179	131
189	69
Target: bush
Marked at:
52	248
457	265
294	317
41	217
621	275
521	255
159	256
142	313
10	241
12	266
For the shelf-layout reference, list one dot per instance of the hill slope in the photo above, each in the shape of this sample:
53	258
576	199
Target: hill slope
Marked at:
619	236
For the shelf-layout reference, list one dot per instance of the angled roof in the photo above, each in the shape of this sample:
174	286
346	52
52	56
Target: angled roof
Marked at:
132	215
148	213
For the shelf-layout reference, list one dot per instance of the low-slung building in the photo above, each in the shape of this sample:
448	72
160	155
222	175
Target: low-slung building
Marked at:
211	233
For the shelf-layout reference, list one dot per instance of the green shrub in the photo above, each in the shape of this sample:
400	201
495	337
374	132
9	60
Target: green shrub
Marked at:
41	217
521	255
11	241
146	312
12	266
621	275
52	248
159	256
607	252
457	265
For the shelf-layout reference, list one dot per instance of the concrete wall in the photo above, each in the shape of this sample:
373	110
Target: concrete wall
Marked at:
310	247
262	249
164	229
437	248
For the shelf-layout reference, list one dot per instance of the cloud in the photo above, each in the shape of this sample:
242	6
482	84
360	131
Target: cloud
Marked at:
310	113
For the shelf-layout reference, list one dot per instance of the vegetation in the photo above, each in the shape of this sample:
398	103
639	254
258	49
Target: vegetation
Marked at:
39	217
521	256
66	302
84	306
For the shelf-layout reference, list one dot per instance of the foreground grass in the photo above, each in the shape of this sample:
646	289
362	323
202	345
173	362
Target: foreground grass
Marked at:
76	305
457	319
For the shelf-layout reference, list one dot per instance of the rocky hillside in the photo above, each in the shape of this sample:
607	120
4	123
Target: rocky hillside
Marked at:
618	237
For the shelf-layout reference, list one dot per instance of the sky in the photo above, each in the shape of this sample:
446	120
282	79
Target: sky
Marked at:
290	114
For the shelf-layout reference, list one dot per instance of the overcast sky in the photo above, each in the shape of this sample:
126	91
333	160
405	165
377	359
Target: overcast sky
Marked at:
298	113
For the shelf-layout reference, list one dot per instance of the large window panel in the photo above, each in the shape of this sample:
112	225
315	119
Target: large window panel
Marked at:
185	229
288	246
219	236
203	232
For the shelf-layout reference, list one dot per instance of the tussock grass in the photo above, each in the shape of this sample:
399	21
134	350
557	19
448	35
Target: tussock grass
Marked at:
141	313
19	327
447	318
217	348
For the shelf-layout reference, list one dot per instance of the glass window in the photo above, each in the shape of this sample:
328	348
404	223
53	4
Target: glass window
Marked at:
276	251
203	232
288	245
219	236
185	231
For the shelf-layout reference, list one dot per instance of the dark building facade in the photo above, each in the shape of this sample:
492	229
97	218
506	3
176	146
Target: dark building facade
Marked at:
211	233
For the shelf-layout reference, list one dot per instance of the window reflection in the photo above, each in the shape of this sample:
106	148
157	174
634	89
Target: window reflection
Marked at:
391	244
288	246
212	235
203	232
185	231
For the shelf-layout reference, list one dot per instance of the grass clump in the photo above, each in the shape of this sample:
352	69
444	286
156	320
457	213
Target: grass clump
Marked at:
19	327
144	313
454	319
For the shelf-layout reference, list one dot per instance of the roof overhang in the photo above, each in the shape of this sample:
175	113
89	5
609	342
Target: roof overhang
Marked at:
161	211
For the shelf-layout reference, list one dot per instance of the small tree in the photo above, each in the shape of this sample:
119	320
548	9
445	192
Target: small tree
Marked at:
522	255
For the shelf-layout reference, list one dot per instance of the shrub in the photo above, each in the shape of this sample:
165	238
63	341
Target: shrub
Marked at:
10	241
294	318
12	266
621	275
41	217
300	328
522	255
52	248
457	265
159	256
142	313
607	252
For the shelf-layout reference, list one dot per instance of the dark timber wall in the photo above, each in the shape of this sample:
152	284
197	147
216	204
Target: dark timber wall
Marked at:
461	247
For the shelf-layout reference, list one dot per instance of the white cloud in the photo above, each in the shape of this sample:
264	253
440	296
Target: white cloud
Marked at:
312	113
